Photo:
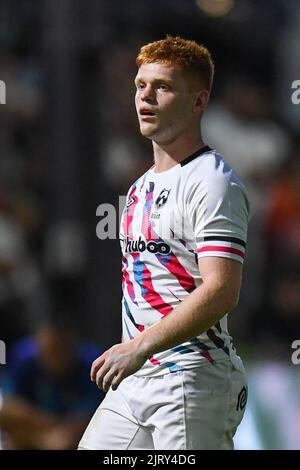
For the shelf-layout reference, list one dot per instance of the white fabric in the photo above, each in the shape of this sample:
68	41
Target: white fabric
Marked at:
188	409
197	208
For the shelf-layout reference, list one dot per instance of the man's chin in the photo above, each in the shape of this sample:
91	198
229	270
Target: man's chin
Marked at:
148	132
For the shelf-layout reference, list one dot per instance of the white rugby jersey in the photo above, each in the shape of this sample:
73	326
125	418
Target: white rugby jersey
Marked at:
197	208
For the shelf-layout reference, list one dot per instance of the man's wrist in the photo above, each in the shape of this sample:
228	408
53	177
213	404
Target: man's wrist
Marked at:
143	345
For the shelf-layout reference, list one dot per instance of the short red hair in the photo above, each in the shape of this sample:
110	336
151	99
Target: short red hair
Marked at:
193	58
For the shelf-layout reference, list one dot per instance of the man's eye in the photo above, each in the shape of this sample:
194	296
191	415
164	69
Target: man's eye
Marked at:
163	86
140	86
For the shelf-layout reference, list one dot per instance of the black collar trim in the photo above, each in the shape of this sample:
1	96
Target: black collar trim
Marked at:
194	155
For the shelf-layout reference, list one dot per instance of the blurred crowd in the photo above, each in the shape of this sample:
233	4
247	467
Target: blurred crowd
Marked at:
52	266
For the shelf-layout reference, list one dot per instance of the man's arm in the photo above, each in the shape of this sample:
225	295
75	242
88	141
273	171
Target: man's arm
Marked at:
205	306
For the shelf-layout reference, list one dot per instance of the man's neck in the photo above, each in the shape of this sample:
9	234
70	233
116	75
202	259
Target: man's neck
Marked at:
167	156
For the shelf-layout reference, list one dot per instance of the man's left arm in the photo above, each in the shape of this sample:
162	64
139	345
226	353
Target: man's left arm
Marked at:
203	308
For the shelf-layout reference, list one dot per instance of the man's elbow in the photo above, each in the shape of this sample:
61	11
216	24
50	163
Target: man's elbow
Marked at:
226	296
230	300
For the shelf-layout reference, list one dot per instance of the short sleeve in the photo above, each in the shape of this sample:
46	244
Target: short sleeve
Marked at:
219	214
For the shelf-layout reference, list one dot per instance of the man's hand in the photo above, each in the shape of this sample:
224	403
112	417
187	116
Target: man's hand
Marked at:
116	363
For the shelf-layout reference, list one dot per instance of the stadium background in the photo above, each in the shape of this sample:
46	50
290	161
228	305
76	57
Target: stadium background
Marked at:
69	141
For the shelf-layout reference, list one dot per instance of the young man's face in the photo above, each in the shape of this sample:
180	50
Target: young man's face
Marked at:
165	102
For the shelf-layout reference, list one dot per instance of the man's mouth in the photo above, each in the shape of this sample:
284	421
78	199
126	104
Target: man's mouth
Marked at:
146	113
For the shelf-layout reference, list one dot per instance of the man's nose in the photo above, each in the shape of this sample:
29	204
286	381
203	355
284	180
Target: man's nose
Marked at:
148	93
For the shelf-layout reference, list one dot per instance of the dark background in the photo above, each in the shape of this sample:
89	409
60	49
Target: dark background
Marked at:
69	141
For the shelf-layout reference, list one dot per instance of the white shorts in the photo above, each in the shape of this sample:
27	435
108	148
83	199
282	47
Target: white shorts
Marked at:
191	409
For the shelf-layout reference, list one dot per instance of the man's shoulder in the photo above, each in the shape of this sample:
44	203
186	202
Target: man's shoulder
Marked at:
210	170
210	178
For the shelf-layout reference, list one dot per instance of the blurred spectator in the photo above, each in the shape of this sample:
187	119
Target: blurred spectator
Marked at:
283	217
21	288
240	126
278	326
48	396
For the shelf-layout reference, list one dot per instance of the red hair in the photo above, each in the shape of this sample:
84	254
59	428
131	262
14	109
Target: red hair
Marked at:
193	58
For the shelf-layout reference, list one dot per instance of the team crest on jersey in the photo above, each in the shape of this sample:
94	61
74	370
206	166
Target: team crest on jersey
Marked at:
162	198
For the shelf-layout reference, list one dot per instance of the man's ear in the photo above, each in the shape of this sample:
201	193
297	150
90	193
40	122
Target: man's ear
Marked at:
201	100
